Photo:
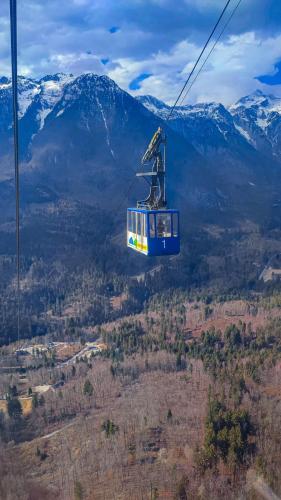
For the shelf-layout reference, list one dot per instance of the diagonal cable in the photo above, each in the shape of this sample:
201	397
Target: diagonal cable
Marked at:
210	52
198	59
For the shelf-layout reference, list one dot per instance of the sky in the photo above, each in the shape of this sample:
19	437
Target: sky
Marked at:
150	46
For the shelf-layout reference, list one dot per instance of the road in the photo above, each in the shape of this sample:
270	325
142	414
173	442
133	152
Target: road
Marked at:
51	434
77	355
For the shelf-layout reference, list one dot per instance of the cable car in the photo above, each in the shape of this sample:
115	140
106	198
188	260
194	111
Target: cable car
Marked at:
153	232
152	228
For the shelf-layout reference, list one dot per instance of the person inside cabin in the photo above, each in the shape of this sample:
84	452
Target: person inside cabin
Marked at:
160	228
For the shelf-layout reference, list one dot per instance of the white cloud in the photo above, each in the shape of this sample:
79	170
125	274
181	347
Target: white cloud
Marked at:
159	37
76	63
228	74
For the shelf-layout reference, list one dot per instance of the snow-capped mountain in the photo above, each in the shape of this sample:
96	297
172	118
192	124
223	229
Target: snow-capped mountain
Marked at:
208	126
258	117
83	137
47	91
154	105
255	119
253	122
37	99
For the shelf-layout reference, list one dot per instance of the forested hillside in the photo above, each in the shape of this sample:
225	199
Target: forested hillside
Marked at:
184	401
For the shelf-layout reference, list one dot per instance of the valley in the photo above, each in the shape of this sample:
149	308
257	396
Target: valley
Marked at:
130	421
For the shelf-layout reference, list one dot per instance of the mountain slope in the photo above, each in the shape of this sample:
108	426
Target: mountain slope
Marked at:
82	139
92	141
208	126
247	177
252	122
259	116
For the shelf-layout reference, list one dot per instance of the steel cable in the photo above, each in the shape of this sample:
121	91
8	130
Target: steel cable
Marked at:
212	49
13	29
198	59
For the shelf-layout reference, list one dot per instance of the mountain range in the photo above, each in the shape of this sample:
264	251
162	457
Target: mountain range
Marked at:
208	126
81	140
255	119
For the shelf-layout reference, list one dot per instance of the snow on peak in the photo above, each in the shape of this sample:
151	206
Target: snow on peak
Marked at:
98	80
48	90
149	100
5	83
154	105
258	99
212	110
56	77
51	90
256	110
28	89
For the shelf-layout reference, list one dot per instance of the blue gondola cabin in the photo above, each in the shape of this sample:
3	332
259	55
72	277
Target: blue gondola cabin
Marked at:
153	232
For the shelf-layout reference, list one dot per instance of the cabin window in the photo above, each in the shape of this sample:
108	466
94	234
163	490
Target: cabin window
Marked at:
134	222
175	225
151	226
139	218
163	225
130	221
144	225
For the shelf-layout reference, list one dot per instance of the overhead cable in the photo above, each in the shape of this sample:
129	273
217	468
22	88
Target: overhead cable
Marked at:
198	59
13	29
210	52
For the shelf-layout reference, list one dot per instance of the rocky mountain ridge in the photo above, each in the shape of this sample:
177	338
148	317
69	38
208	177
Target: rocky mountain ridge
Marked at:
255	118
81	139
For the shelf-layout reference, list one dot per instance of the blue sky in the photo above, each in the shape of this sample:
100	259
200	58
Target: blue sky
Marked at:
149	46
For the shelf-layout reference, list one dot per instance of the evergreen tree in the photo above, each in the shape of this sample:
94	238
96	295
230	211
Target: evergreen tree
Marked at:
78	491
14	408
109	427
169	415
88	388
35	401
